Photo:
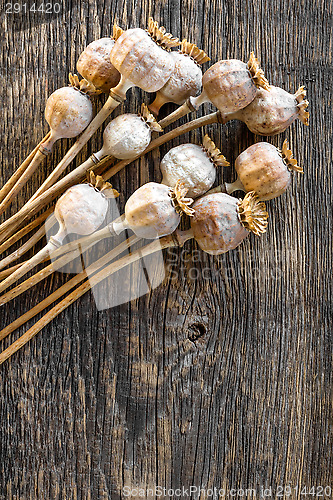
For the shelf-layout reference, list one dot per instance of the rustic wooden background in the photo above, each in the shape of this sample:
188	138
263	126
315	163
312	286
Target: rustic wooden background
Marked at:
220	382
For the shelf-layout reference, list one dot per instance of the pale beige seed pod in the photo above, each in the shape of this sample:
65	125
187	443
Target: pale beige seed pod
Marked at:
232	84
193	165
95	66
154	210
80	210
221	222
68	110
128	135
186	80
266	170
83	207
142	57
272	112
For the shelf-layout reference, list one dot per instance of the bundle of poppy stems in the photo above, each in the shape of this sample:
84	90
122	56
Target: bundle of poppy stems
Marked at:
155	61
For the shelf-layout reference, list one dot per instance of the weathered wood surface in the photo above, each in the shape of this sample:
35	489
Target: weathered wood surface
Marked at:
221	382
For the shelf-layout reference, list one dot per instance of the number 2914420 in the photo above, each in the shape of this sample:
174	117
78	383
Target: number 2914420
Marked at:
23	8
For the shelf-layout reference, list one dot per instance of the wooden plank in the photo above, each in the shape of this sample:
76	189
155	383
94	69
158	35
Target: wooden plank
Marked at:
221	382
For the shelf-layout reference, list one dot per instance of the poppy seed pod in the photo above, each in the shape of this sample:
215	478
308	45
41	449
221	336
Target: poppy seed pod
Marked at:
83	207
80	210
221	222
231	84
68	110
128	135
154	210
271	112
142	57
194	165
186	80
95	66
266	170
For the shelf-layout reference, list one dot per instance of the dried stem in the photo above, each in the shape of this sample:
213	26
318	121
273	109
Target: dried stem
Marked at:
166	242
23	249
80	245
9	226
37	160
218	189
10	270
27	266
228	187
183	110
25	230
86	241
84	167
57	264
20	171
69	285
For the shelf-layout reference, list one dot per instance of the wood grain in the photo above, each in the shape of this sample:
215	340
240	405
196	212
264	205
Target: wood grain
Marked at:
221	376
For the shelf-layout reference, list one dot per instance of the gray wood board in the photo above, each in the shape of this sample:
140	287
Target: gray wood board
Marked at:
221	382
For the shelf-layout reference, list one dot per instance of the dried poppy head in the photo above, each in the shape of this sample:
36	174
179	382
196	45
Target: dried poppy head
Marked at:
271	112
142	57
154	210
83	207
68	110
186	80
266	170
128	135
221	222
194	165
95	66
232	84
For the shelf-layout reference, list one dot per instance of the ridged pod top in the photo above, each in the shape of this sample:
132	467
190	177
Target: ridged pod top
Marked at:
302	105
288	158
98	183
83	85
190	49
214	153
257	73
252	213
150	119
179	200
159	34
